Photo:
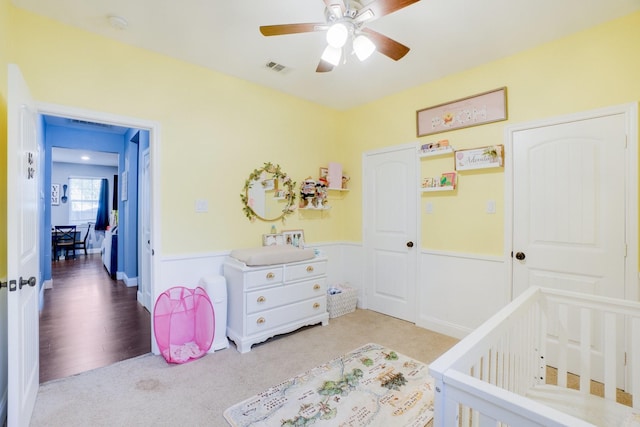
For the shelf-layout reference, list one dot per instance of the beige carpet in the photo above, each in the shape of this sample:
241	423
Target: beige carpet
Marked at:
146	391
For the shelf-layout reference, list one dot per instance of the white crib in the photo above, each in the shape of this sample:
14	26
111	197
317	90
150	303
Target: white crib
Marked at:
497	375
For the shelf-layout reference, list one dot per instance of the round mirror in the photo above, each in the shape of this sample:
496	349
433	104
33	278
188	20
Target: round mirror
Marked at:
268	194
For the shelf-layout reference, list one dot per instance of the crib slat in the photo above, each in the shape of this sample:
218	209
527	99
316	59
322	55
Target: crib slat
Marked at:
610	356
563	319
585	350
541	337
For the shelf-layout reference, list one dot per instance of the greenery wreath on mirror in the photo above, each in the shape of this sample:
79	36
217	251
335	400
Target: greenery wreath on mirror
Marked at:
282	178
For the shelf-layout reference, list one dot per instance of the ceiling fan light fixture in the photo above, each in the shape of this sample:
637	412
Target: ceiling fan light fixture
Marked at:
332	55
337	35
363	47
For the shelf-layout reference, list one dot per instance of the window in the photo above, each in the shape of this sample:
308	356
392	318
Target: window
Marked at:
84	196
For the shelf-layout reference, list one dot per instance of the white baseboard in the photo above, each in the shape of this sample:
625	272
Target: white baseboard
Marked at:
442	327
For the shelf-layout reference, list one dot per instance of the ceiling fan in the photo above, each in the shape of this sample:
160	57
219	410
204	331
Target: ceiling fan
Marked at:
346	27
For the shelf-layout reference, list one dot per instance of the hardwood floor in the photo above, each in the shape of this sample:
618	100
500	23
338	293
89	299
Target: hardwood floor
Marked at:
89	320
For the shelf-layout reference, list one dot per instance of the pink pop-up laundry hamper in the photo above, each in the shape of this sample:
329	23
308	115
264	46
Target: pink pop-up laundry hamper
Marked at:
183	324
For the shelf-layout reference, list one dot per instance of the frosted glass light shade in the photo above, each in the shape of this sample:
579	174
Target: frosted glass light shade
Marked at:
337	35
363	47
332	55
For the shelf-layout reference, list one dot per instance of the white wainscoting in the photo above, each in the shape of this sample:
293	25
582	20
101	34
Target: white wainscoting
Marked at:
345	265
458	292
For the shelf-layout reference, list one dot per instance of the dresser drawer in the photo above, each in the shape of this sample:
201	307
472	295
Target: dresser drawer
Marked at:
262	277
265	299
269	319
304	270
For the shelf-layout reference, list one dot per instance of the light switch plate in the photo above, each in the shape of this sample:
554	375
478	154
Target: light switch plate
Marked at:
202	205
428	207
491	206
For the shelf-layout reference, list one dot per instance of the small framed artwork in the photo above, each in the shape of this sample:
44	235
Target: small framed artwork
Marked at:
448	179
324	173
55	194
480	158
269	184
294	238
272	240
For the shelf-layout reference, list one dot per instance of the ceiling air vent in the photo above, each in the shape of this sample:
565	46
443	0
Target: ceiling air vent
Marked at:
278	68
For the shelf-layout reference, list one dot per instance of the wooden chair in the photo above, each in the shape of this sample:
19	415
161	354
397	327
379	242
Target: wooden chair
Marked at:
81	244
65	237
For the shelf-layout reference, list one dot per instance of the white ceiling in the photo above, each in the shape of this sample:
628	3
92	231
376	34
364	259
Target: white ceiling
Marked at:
445	37
82	156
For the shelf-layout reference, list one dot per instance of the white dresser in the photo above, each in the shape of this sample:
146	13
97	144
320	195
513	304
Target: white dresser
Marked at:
275	299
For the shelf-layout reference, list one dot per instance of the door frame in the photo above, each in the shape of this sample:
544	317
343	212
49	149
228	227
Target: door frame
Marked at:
418	223
630	111
154	150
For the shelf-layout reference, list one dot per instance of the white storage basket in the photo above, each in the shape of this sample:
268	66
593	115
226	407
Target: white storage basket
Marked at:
342	303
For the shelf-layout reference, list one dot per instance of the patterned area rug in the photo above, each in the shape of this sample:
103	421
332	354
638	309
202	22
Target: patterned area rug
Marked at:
371	386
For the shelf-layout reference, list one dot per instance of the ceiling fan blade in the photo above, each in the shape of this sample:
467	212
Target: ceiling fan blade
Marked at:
386	46
336	7
324	67
380	8
279	30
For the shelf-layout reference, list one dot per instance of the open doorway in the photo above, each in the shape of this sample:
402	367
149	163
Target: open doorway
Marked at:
126	328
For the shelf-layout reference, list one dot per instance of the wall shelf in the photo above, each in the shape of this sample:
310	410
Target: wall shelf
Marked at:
433	189
438	152
324	208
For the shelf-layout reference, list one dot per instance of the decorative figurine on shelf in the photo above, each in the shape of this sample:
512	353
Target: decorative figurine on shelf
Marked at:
345	181
307	191
321	195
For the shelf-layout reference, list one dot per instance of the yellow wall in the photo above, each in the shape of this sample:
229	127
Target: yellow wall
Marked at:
216	129
4	47
595	68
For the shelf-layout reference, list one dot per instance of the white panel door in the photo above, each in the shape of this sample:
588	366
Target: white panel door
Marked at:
23	266
390	227
144	206
569	218
569	206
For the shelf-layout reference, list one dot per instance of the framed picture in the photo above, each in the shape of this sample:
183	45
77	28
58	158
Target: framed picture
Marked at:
480	158
272	240
294	238
324	173
55	194
448	179
269	184
487	107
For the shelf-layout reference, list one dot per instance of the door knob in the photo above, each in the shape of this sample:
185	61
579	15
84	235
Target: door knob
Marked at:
24	282
409	244
520	256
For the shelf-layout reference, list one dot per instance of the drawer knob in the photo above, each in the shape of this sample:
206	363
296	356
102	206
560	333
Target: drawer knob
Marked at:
261	299
316	306
316	287
260	320
310	269
270	276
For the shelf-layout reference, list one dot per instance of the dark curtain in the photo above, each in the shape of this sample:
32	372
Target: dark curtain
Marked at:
102	219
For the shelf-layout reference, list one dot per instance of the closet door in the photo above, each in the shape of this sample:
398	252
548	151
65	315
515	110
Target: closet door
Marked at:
390	228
